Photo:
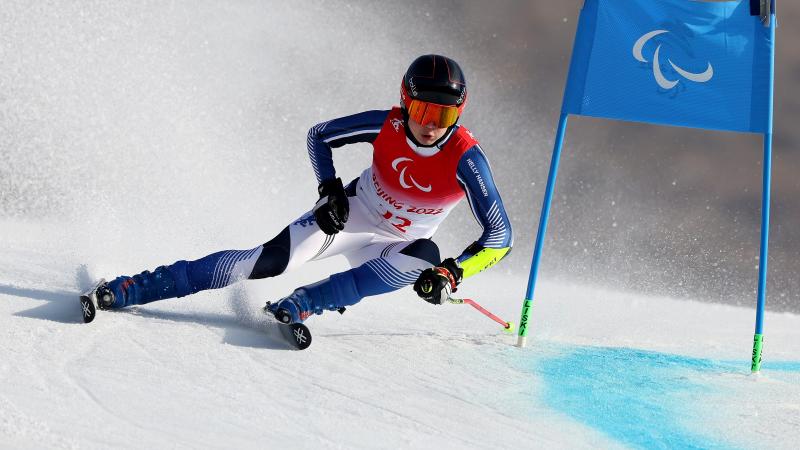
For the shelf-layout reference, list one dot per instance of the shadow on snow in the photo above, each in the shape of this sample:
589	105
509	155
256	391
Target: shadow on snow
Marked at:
246	328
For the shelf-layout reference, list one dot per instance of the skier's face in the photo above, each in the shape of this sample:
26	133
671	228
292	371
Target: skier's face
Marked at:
425	134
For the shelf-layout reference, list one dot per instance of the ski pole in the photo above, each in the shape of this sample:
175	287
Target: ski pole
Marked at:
507	326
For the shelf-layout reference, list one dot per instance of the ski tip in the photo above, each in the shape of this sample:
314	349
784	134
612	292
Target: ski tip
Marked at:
301	336
296	335
88	309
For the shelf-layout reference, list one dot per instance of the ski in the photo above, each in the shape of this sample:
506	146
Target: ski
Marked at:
88	302
296	335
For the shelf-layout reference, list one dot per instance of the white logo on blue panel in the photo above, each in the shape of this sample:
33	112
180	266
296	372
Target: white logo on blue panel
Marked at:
661	78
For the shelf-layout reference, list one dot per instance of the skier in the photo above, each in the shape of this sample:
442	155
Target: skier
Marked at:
423	164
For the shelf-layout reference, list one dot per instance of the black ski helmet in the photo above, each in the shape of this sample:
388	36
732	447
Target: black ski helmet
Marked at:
434	79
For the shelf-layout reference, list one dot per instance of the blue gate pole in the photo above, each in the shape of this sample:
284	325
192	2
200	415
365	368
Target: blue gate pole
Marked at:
758	339
537	251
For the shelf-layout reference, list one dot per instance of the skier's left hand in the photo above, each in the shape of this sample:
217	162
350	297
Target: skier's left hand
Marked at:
436	284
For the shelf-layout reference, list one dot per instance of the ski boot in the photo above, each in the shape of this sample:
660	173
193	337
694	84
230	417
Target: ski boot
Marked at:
127	291
295	308
290	312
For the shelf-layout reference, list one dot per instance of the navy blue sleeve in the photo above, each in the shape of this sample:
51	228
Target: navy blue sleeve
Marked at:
475	176
361	127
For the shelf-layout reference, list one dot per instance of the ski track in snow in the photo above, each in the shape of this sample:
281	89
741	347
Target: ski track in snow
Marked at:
603	369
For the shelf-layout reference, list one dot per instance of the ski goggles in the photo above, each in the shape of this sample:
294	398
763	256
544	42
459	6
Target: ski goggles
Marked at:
424	113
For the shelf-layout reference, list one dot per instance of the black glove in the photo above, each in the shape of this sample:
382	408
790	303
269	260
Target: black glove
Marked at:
436	284
333	208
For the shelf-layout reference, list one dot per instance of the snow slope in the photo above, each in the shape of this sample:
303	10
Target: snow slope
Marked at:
604	369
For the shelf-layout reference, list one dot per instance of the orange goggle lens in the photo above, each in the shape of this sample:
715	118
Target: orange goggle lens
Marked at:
441	116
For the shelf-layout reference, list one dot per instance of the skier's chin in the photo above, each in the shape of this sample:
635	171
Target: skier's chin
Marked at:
427	140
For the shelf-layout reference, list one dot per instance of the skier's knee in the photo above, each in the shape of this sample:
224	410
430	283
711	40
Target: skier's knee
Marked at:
424	249
274	257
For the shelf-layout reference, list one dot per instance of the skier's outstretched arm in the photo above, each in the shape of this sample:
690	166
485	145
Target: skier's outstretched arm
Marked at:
475	176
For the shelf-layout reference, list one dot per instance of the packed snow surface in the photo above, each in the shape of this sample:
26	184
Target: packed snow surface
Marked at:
602	368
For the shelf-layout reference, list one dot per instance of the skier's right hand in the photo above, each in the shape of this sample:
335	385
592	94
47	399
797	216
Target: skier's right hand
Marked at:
333	208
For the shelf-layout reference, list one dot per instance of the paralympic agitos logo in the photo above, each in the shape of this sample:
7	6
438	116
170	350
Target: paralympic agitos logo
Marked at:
669	81
402	171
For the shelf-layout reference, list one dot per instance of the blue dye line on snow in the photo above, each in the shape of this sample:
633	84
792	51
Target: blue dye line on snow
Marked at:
639	398
782	366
